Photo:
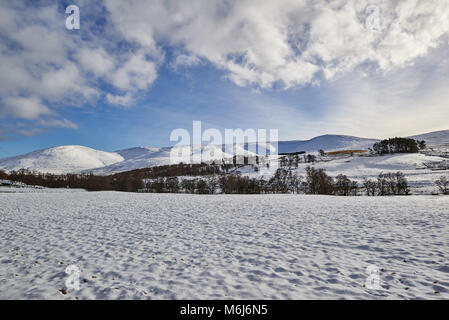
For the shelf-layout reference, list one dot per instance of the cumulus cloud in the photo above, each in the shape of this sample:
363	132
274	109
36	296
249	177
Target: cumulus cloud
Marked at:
96	60
22	107
44	67
272	44
135	73
291	42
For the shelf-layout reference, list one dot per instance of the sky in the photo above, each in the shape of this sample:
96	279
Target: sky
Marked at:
136	70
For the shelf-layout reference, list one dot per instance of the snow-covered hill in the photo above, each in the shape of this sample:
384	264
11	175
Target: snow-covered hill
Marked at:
144	157
66	159
136	158
434	138
61	159
327	142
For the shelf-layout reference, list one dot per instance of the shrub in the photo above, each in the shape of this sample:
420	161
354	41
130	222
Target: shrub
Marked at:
443	184
3	175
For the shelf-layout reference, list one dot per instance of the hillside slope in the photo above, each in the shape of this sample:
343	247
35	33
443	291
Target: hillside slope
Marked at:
434	138
326	142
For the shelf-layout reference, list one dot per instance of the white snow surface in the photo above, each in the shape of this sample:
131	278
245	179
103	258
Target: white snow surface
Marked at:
176	246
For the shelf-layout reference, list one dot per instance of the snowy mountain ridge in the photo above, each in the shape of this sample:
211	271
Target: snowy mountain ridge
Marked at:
72	158
62	159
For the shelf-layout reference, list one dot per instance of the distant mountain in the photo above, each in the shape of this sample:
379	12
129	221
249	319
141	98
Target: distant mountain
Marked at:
65	159
61	159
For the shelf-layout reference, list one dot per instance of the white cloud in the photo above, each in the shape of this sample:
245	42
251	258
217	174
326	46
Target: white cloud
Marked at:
288	41
186	60
96	60
29	132
29	108
53	68
285	43
118	100
412	100
58	123
135	73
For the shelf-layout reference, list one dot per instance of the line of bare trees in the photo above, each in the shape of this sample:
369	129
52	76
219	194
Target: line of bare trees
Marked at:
387	184
316	181
212	179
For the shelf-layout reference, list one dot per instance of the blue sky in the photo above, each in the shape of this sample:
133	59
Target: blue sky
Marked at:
176	98
136	71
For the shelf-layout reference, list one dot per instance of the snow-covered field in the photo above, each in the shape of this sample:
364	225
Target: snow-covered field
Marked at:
167	246
421	179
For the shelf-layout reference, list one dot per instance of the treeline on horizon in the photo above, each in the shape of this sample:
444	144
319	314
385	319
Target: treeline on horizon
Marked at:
130	181
315	181
216	179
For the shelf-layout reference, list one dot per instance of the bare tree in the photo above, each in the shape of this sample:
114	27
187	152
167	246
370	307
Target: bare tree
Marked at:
370	187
